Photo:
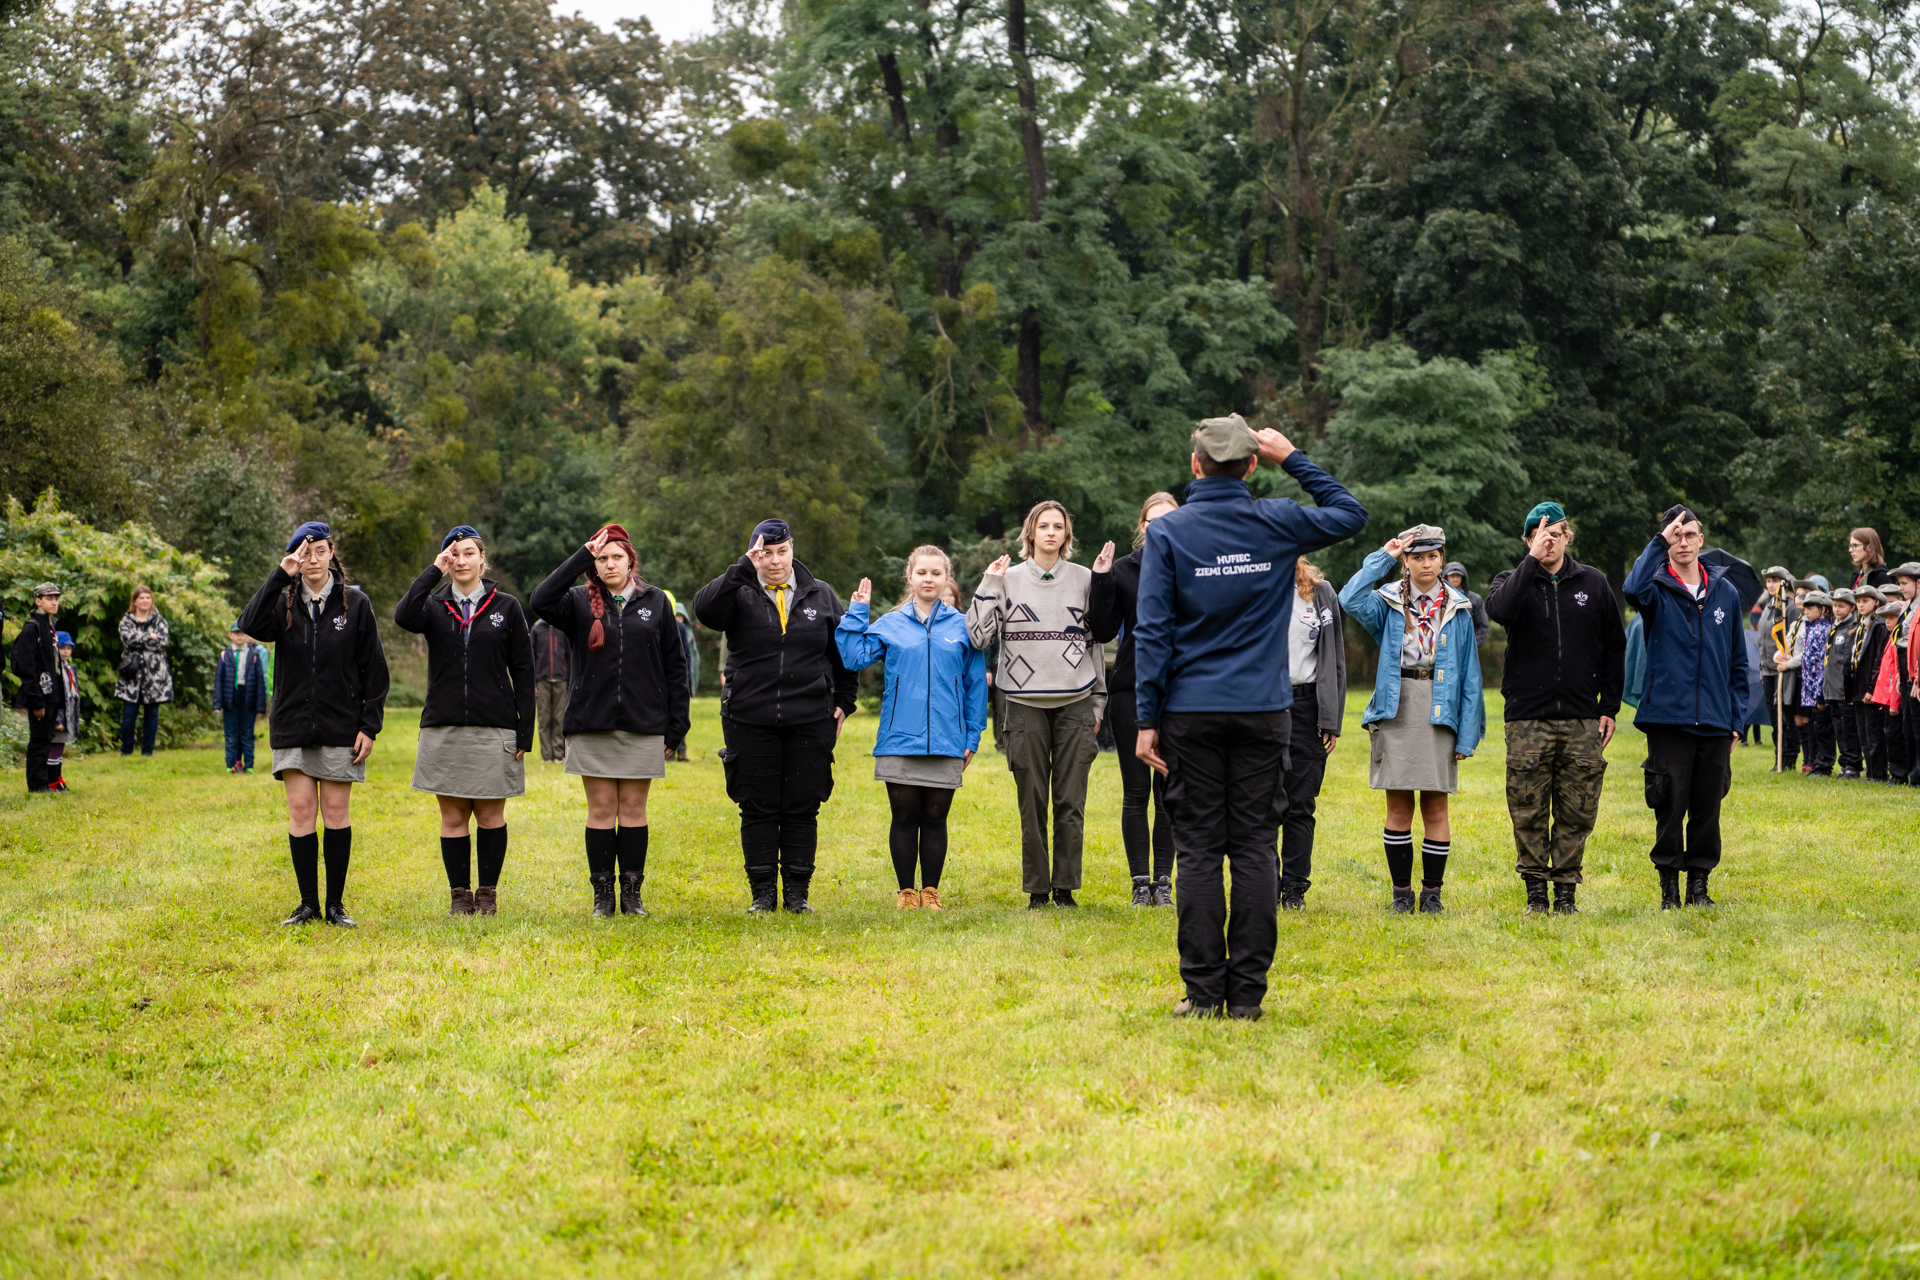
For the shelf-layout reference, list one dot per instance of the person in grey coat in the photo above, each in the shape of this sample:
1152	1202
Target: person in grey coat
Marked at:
1317	664
145	679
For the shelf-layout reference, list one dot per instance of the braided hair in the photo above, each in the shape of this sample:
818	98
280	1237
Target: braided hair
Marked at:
597	590
340	580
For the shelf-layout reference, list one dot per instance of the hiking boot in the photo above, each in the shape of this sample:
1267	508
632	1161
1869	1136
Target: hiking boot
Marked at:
1244	1012
305	913
794	885
1697	889
1163	892
630	903
602	882
1293	895
1430	900
766	888
930	899
1142	892
908	900
1189	1009
462	902
1669	888
1035	901
486	900
337	917
1537	897
1402	900
1064	898
1563	894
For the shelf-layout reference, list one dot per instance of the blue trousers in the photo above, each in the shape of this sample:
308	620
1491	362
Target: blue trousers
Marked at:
129	711
240	737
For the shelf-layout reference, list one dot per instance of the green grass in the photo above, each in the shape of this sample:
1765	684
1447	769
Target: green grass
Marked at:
189	1089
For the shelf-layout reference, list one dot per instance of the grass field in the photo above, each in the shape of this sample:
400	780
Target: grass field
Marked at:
190	1090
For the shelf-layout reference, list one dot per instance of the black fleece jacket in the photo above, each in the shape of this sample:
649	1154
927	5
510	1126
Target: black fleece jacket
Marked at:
483	677
37	662
1113	605
637	680
776	678
330	675
1566	643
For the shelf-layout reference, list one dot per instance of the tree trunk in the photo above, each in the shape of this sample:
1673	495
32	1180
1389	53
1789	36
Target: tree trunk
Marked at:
1027	381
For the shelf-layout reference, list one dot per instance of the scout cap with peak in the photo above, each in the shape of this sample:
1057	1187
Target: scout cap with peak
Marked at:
45	589
1911	569
1843	595
1424	537
1893	608
1776	571
1227	439
1868	589
1820	598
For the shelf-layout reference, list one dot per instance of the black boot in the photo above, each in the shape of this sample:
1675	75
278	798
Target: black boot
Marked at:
1403	899
794	889
1430	900
462	901
1035	901
765	884
1563	892
1163	892
1064	898
1293	895
1142	891
1669	888
602	882
630	904
337	917
1697	889
305	913
1536	897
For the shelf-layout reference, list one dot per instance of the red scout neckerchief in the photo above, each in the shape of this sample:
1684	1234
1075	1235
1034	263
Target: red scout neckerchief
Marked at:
478	609
1705	580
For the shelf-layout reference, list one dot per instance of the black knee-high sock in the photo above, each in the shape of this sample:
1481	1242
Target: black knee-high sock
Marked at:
601	844
306	865
632	847
492	846
1399	856
337	847
454	851
1433	862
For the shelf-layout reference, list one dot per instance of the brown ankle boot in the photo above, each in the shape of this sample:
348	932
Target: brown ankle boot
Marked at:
462	903
908	900
484	899
930	899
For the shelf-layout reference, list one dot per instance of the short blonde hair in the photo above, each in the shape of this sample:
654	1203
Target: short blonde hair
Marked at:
1032	521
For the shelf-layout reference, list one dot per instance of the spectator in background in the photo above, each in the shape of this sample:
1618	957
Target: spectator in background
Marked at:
552	659
1803	668
1779	611
692	649
1869	560
36	661
1456	575
239	694
66	720
145	679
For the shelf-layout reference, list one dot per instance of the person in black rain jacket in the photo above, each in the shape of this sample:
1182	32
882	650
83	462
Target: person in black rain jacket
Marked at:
627	702
37	663
1112	609
329	700
477	725
786	695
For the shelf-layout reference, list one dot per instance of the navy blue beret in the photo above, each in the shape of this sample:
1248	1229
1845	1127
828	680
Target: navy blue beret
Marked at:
315	529
456	533
773	532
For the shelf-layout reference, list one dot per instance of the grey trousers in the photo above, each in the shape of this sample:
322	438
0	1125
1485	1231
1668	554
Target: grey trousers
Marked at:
1051	751
550	713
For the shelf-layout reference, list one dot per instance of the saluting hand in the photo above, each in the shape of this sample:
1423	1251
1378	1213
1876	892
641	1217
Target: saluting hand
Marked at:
863	594
444	561
1395	547
1000	566
594	543
1274	447
757	552
1103	563
1672	531
290	563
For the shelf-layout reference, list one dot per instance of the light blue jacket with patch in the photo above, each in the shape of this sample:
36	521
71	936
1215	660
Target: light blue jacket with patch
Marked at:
1457	695
935	703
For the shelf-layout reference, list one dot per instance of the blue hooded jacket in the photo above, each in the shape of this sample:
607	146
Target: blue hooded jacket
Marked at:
1696	677
1458	702
935	702
1216	592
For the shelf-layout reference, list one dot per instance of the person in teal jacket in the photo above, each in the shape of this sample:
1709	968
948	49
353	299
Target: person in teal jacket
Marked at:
1426	713
932	713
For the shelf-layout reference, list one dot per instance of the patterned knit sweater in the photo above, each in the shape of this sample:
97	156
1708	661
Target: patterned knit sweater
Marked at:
1047	657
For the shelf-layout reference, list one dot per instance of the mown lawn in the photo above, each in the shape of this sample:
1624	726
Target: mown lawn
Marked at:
189	1089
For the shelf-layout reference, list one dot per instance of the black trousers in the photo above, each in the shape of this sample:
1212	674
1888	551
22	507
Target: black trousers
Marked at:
1139	784
1870	724
1816	738
1306	770
39	738
1846	736
1899	743
1226	792
1687	775
1910	713
779	776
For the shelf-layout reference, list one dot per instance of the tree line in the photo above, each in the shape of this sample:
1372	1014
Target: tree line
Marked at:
896	270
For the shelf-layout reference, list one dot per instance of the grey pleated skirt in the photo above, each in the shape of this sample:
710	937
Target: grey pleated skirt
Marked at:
328	764
945	772
618	754
469	762
1410	753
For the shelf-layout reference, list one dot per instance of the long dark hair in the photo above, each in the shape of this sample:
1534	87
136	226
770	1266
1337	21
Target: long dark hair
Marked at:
340	580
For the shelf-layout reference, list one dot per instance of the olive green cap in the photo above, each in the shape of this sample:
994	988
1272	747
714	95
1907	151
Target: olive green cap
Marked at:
1227	439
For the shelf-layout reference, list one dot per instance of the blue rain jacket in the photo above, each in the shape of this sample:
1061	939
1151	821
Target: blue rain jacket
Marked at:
1457	697
936	693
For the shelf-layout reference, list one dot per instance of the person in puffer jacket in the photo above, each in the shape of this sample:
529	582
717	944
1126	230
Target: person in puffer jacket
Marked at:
932	713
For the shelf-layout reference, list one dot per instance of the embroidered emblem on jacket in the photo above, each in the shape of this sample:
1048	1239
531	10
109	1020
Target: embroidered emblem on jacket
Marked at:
1719	616
646	615
340	623
496	618
1580	597
811	613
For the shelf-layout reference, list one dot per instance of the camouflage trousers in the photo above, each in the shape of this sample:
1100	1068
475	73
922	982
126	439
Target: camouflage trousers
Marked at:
1554	772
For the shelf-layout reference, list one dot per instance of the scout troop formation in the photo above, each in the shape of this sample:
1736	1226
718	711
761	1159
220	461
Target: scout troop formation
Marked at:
1226	697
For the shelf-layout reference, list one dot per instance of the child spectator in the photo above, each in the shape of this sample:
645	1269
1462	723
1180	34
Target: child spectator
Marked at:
1833	685
240	684
66	716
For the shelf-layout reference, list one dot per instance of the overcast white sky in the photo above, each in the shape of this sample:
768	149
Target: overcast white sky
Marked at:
673	19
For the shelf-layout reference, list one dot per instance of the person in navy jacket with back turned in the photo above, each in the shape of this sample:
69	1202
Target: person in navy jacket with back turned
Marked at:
1693	700
1212	693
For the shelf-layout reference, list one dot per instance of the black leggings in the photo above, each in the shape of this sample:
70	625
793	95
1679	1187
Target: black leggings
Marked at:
1138	781
919	832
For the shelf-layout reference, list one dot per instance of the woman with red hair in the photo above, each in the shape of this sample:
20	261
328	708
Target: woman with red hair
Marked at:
628	700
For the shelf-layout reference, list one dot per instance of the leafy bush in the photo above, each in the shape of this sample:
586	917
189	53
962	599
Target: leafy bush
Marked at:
97	572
